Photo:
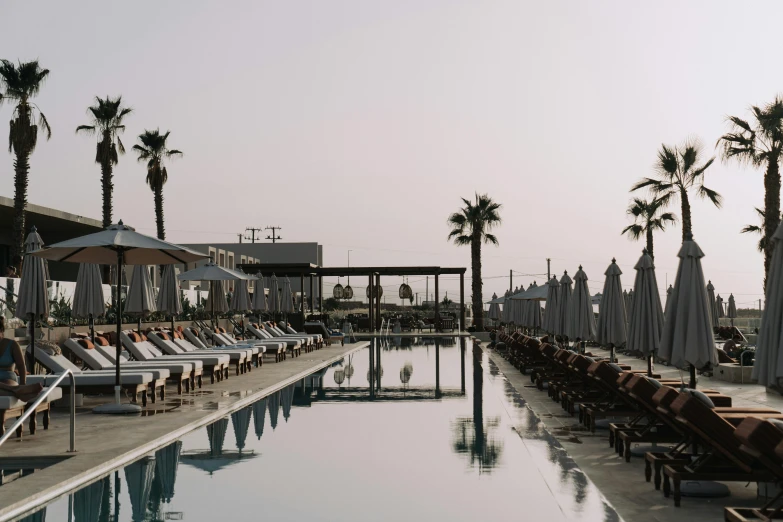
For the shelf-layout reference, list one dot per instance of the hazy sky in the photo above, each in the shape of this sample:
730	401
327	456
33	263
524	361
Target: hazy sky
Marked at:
360	124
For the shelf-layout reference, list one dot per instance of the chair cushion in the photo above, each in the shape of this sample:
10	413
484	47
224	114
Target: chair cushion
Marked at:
101	341
134	337
655	382
702	397
777	423
86	344
616	367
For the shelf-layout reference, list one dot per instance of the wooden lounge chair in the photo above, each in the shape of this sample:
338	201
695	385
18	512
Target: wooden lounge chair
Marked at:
11	407
167	343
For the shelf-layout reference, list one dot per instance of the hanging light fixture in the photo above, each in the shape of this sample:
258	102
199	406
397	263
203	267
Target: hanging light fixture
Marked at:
374	288
348	291
338	291
405	291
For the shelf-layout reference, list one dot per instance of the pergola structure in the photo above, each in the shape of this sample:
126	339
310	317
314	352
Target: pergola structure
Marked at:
373	273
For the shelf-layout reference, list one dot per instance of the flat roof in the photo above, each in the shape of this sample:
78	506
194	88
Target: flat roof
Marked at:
296	269
53	213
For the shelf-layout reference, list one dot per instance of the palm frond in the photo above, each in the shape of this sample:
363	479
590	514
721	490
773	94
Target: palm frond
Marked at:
634	231
710	194
86	129
44	124
754	229
490	238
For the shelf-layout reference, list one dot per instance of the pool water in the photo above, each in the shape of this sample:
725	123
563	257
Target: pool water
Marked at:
424	430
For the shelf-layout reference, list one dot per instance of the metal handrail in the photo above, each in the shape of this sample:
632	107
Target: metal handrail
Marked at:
31	409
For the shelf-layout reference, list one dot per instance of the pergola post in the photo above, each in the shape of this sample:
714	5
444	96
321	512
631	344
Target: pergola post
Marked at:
302	300
312	294
378	301
371	326
462	301
321	294
437	306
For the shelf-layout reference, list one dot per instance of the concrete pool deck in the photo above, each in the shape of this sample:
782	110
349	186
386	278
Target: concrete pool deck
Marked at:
105	442
623	484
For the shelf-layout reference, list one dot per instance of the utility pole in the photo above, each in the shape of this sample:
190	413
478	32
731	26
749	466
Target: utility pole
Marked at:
510	280
240	237
417	298
548	275
252	231
427	292
272	237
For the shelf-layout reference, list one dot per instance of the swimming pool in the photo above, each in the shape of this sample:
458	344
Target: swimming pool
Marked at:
416	430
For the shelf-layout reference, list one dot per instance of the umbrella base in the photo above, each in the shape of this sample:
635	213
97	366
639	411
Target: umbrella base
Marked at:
641	451
117	409
704	489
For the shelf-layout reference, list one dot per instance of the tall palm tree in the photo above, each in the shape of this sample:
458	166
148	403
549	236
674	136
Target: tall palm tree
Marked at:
107	115
760	142
153	149
647	220
756	229
22	81
471	226
679	173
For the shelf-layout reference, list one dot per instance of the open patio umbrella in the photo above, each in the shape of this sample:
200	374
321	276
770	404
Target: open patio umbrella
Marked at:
551	317
33	301
646	323
138	475
260	303
166	464
731	312
240	420
88	299
713	304
611	327
273	403
141	295
564	305
259	415
274	295
122	245
87	503
169	301
581	319
217	275
768	367
719	305
687	339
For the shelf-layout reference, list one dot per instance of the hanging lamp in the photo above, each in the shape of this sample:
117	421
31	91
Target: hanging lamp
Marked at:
338	292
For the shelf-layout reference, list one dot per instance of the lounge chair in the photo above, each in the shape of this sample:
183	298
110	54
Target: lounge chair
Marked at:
167	343
89	382
225	342
273	332
179	372
199	340
11	407
279	353
216	365
316	338
317	327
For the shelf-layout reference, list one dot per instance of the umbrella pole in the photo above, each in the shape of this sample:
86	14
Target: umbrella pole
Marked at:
649	365
32	343
693	376
92	329
119	329
611	353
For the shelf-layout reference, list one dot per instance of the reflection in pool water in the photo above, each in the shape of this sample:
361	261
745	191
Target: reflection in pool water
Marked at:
440	435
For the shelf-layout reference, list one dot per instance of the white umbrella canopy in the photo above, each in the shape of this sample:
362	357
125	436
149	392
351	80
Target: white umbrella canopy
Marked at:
563	305
119	244
260	303
581	319
216	300
611	326
274	295
88	297
141	294
687	339
768	368
719	305
287	300
551	317
731	311
713	304
646	322
240	300
169	300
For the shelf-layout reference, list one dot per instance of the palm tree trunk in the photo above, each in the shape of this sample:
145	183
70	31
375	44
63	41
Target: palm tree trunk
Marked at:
475	261
686	214
771	210
159	212
107	187
21	179
650	241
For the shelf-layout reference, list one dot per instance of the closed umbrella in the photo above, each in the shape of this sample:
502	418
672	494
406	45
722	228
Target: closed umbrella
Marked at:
274	295
731	312
551	318
646	322
581	319
287	300
169	301
87	503
494	309
216	433
687	339
519	309
217	275
216	301
240	301
533	316
627	301
768	367
630	305
611	327
564	305
713	304
260	303
88	299
273	403
259	415
139	479
141	295
240	420
287	400
122	245
33	301
166	464
719	305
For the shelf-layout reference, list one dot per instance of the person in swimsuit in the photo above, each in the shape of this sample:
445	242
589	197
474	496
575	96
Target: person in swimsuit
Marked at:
11	362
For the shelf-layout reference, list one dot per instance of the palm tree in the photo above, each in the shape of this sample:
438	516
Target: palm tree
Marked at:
647	220
152	149
679	172
471	226
22	81
107	116
760	142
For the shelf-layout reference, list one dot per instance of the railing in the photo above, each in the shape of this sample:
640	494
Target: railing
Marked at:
30	410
